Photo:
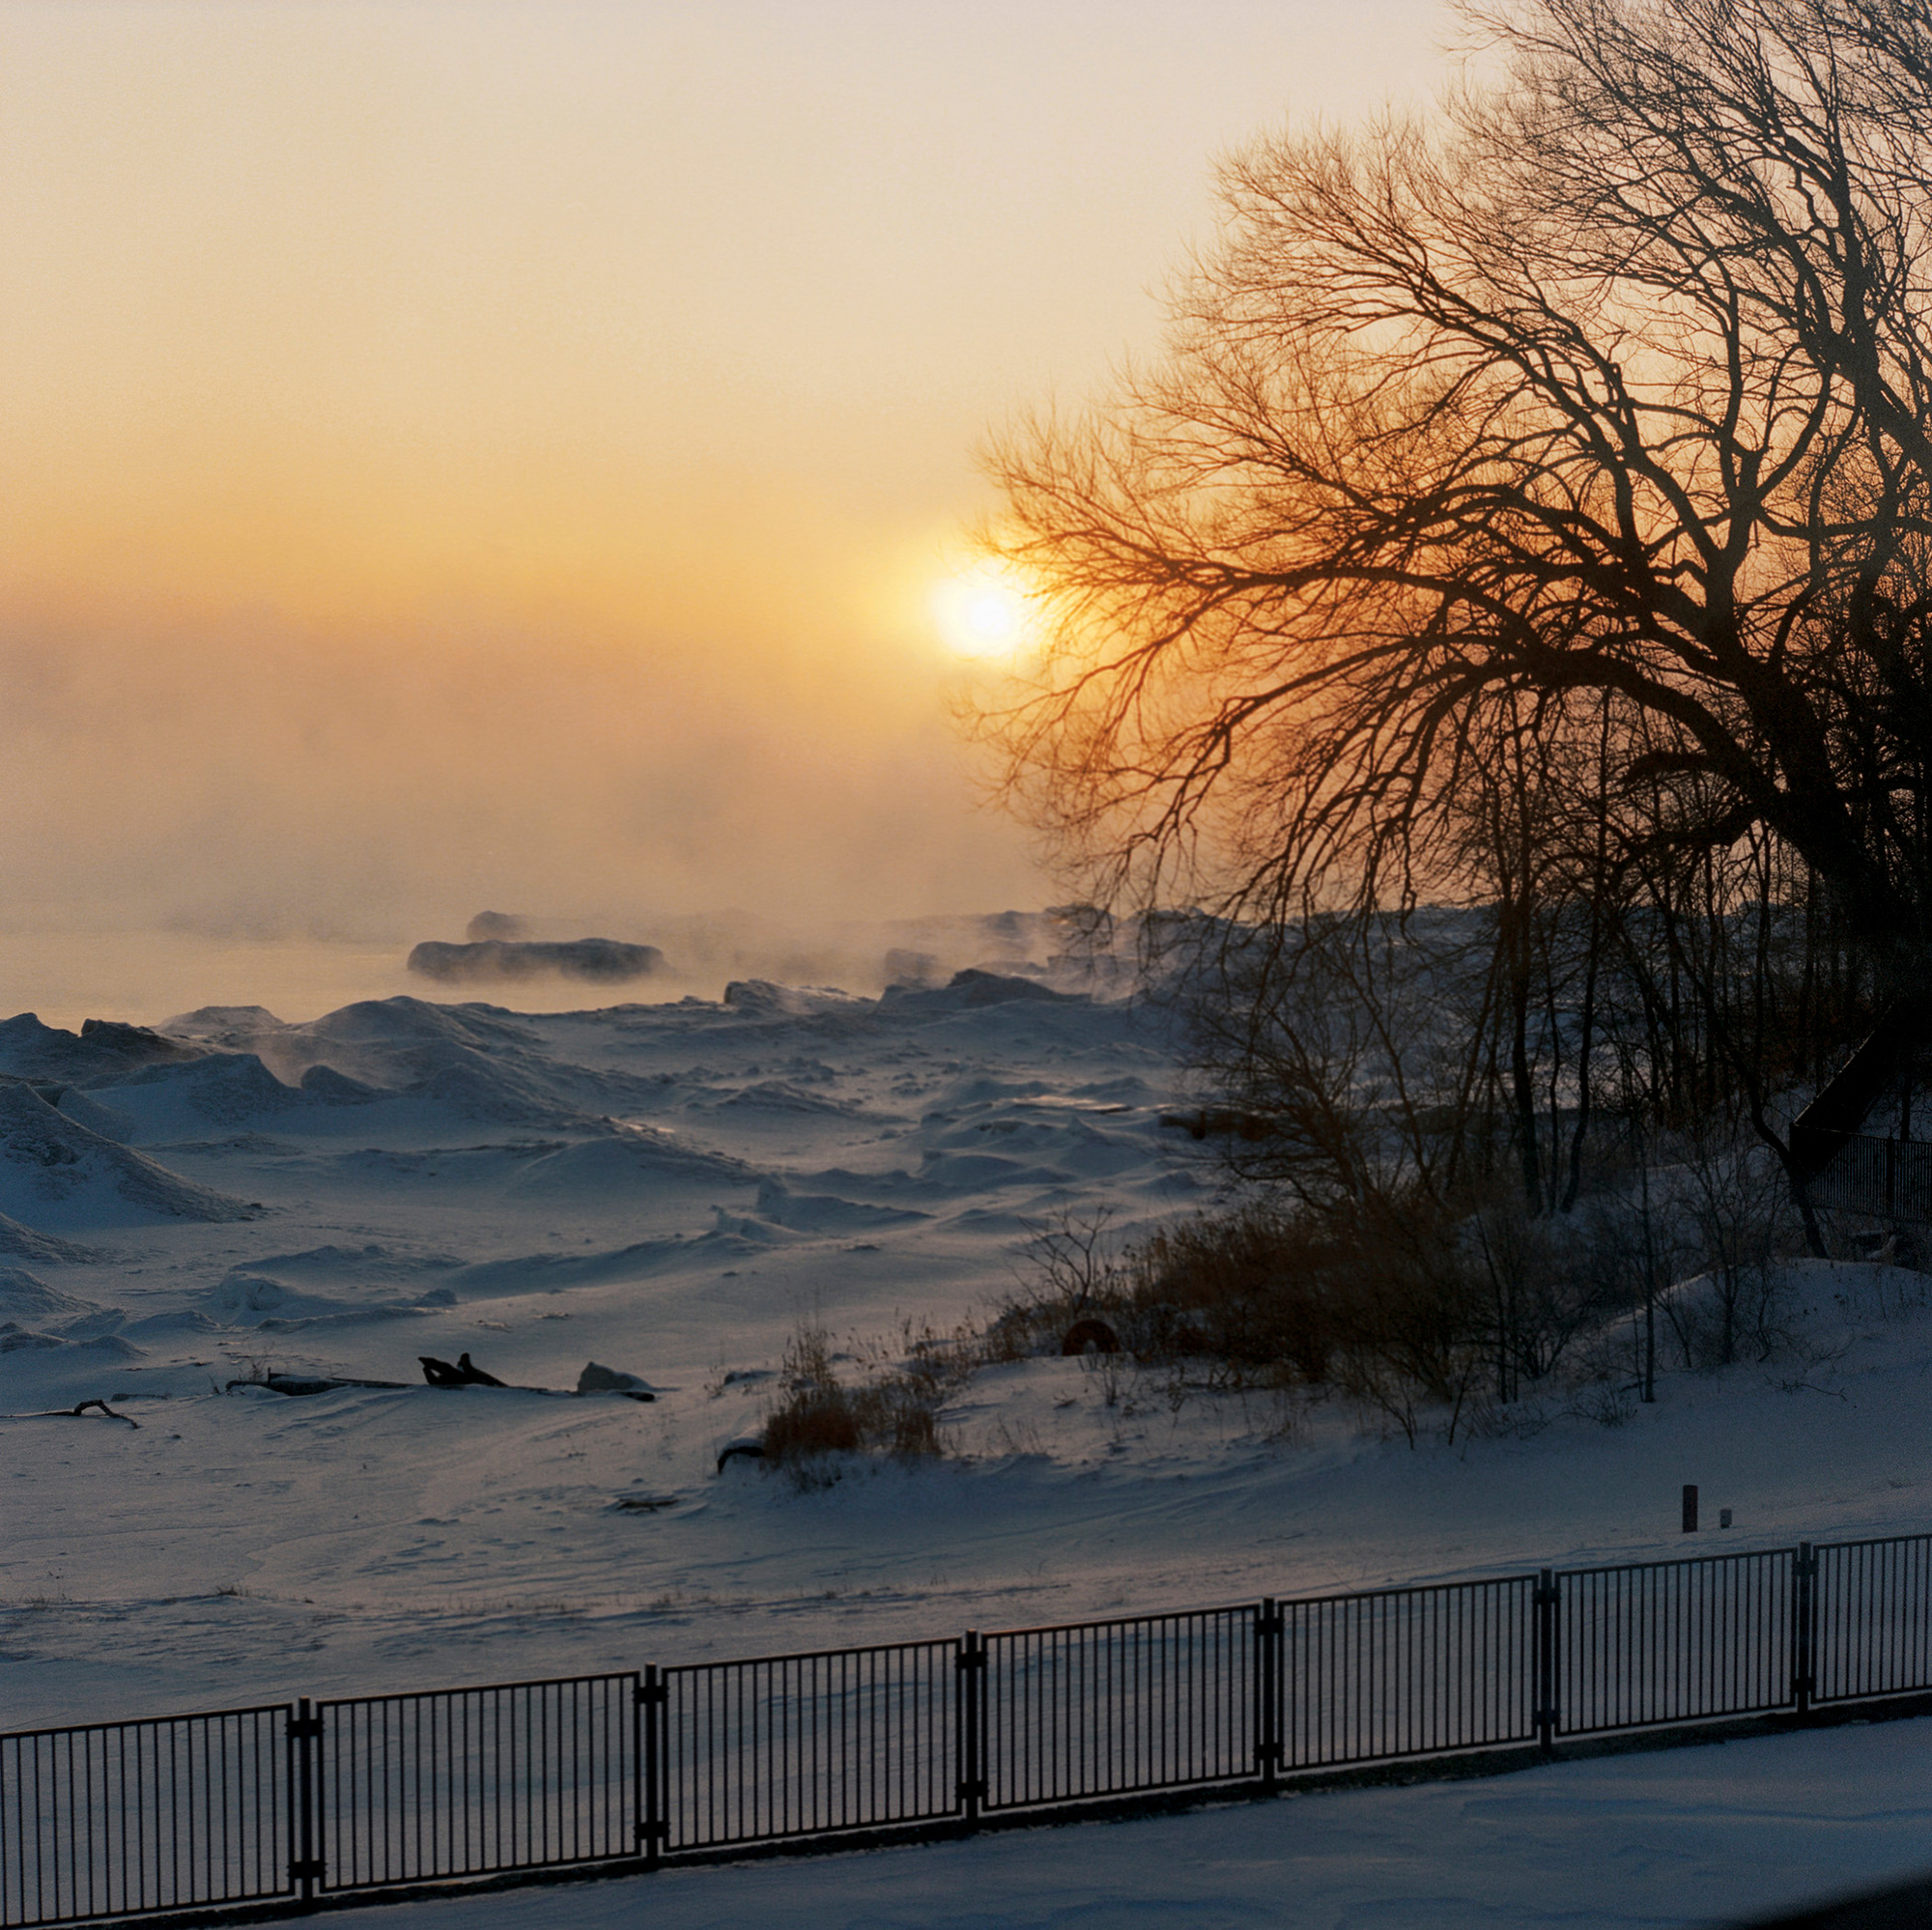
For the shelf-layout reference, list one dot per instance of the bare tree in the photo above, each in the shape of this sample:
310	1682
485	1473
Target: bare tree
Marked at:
1597	412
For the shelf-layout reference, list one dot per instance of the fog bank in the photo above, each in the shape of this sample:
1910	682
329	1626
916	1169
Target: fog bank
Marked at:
260	782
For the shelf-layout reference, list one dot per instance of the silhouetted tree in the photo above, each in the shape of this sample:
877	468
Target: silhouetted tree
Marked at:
1586	428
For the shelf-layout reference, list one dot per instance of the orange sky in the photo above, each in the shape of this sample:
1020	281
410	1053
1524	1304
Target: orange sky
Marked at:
462	452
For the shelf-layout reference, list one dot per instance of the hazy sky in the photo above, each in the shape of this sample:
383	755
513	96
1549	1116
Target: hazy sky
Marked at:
461	453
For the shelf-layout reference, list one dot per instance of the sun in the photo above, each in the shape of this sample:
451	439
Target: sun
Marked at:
984	610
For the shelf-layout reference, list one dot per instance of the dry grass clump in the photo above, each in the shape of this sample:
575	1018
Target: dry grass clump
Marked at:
1246	1297
1394	1307
1431	1314
893	1411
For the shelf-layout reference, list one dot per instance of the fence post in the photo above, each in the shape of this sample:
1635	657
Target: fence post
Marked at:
1804	1630
305	1866
651	1705
970	1724
1545	1598
1269	1626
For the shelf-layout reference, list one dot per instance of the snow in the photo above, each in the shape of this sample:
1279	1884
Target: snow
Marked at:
669	1190
55	1172
1687	1836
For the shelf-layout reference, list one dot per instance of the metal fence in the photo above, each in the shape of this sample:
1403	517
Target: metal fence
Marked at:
1889	1177
469	1781
803	1745
286	1803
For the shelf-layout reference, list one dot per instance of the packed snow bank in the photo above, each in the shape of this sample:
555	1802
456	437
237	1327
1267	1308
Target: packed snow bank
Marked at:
472	1063
1684	1838
54	1172
101	1049
218	1091
33	1302
18	1242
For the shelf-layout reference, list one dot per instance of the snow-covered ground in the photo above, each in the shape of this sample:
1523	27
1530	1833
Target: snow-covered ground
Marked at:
1687	1836
670	1189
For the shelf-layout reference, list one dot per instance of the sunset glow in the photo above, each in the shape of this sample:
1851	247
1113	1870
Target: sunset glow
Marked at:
983	612
468	453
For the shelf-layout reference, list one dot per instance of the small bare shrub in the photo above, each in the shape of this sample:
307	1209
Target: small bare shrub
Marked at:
1738	1206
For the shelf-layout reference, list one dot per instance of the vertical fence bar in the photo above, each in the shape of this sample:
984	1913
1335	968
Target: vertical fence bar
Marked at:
304	1730
1270	1625
651	1701
970	1726
1546	1601
1804	1628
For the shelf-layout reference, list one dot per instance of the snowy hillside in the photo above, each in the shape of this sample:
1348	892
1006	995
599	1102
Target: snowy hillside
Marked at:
669	1190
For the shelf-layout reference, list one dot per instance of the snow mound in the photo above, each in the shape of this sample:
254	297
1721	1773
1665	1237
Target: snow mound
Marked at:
749	1228
402	1022
18	1242
221	1024
982	1172
53	1168
974	987
102	1048
223	1089
109	1347
82	1107
249	1298
596	1379
336	1088
33	1302
473	1087
382	1042
760	997
13	1339
553	1273
1070	1143
781	1095
372	1261
181	1321
638	1156
824	1213
469	1062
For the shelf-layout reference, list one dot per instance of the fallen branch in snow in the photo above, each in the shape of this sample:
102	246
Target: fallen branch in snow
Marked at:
1810	1387
300	1383
68	1413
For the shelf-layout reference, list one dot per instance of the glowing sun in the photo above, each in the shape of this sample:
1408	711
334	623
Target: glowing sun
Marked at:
983	612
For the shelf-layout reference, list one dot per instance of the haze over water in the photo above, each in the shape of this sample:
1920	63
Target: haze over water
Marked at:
469	455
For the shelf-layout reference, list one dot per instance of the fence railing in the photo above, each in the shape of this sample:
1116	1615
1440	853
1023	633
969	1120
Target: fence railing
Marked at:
286	1803
1888	1178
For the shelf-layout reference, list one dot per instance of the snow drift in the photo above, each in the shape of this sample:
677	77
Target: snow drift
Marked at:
52	1169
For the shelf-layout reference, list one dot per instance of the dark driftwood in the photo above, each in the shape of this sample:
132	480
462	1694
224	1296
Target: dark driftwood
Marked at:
310	1384
464	1374
68	1413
